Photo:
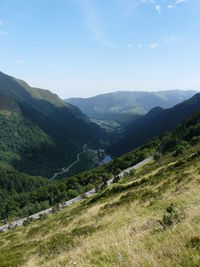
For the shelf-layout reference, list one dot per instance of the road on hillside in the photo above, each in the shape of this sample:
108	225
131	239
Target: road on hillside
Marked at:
71	201
135	167
64	170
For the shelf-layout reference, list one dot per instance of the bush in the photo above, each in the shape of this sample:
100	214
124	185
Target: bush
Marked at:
56	244
116	179
132	173
194	243
157	156
102	186
127	198
172	216
179	163
195	140
83	231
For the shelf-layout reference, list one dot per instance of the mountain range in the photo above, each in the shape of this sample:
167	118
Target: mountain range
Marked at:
156	122
127	105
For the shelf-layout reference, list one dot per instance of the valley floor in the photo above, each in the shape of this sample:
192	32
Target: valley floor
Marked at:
85	160
151	218
66	169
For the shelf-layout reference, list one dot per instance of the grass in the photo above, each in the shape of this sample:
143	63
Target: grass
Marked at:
149	219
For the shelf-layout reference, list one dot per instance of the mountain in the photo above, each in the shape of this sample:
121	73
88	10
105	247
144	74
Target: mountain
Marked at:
119	105
155	123
150	217
39	133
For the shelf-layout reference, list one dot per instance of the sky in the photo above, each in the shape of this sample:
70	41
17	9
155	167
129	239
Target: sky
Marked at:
81	48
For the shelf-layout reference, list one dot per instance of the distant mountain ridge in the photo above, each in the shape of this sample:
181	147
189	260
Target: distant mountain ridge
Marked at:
44	132
155	123
128	102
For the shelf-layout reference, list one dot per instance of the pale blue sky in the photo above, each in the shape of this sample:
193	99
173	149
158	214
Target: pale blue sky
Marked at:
88	47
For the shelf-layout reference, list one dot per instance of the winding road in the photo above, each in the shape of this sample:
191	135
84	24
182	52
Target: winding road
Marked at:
64	170
68	203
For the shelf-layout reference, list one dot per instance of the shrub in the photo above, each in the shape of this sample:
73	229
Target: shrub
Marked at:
116	179
179	163
194	243
195	140
56	244
84	230
157	156
127	198
172	216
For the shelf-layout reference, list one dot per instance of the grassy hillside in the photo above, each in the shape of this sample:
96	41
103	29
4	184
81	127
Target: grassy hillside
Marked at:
149	218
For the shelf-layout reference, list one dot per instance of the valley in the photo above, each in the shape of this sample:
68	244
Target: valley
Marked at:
33	144
149	217
99	133
40	133
110	126
140	197
85	160
65	170
115	111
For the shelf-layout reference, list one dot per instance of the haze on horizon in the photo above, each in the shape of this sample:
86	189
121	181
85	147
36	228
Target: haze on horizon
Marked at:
81	48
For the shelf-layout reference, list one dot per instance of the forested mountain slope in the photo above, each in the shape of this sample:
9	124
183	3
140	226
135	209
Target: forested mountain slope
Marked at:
155	123
39	132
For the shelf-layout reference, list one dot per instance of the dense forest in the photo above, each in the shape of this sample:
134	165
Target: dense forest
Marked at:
39	132
19	138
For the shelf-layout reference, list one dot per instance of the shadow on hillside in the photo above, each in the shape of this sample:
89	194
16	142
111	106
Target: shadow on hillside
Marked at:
67	132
